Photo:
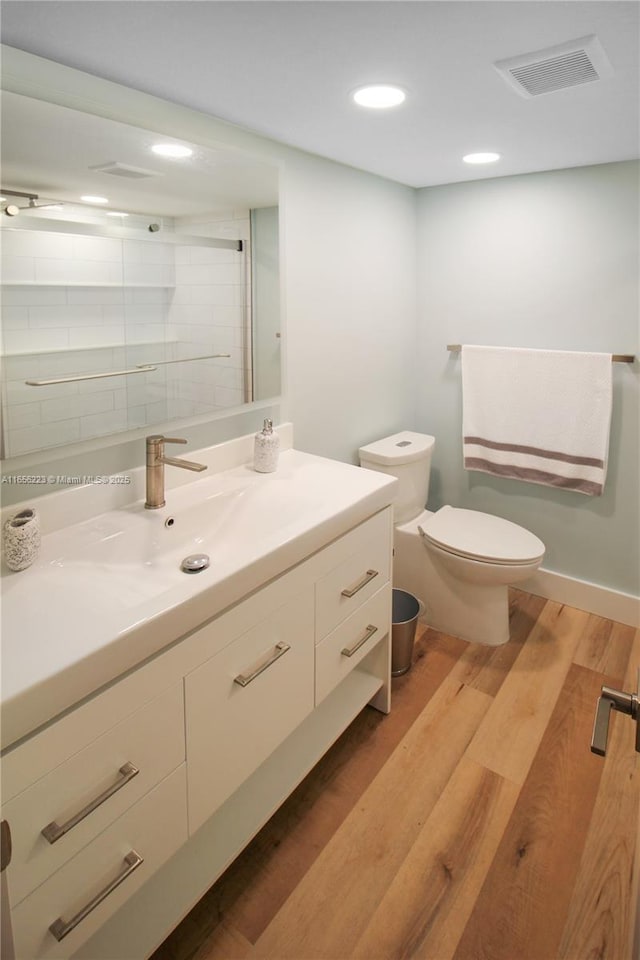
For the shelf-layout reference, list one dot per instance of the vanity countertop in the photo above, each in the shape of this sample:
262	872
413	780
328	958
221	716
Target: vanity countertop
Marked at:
107	593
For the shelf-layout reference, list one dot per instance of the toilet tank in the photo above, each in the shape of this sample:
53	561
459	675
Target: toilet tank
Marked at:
407	456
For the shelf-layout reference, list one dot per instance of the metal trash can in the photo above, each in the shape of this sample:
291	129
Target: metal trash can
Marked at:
404	617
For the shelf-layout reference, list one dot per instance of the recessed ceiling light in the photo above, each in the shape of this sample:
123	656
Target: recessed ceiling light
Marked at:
481	157
174	150
91	199
379	96
116	213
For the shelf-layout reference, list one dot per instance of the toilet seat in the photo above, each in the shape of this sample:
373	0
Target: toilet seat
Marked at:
481	536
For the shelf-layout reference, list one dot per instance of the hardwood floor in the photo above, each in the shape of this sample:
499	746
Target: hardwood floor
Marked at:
472	823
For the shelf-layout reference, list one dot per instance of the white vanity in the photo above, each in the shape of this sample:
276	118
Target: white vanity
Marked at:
153	720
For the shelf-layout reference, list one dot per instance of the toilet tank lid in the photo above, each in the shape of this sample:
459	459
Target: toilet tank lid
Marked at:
403	447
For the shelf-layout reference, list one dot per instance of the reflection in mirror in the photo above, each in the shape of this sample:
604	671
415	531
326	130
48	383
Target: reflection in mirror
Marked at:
155	305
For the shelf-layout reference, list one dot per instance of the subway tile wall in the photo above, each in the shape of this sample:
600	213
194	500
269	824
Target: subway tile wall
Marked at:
73	304
210	313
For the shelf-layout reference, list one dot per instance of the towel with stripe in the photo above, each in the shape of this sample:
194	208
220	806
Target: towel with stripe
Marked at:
537	415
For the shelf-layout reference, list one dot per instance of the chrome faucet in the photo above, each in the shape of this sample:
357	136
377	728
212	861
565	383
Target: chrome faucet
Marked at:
155	468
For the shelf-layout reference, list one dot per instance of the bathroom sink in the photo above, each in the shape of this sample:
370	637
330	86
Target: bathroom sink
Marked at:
141	541
235	516
108	592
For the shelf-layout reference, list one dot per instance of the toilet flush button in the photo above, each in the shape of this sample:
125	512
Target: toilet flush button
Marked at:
404	443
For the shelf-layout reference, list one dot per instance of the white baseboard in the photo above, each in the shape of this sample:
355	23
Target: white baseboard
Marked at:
604	602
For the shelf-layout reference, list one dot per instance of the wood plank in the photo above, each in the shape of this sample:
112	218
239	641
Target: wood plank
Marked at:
225	943
600	916
426	907
510	734
485	667
605	647
330	908
515	915
634	911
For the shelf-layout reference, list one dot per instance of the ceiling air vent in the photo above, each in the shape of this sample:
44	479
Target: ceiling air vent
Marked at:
556	68
117	169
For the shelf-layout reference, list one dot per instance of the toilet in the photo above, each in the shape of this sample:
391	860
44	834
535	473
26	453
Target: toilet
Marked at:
458	562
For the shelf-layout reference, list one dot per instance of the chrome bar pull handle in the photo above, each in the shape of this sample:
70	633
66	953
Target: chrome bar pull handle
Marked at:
53	831
61	928
610	699
351	591
369	632
244	680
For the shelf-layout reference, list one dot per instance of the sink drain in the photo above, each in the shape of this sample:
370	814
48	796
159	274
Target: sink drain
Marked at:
195	563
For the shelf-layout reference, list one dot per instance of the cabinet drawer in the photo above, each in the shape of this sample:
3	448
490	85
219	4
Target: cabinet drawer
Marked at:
154	829
99	779
232	728
341	591
359	634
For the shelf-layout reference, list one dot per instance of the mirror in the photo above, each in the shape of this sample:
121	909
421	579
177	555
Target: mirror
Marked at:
154	306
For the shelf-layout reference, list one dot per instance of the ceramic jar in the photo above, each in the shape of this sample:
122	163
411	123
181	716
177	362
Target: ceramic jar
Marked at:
21	539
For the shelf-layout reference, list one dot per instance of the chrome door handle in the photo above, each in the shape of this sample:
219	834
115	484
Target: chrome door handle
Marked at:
609	700
61	928
351	591
369	632
53	831
245	679
5	845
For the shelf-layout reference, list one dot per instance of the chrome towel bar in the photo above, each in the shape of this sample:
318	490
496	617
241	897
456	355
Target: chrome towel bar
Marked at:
89	376
139	368
615	357
209	356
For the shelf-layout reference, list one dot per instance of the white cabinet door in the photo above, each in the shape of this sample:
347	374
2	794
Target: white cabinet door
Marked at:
243	702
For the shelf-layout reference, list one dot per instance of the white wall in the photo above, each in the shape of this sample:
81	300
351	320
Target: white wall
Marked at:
349	262
544	260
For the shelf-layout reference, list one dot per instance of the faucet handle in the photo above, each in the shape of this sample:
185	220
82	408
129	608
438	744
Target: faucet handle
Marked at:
158	438
155	446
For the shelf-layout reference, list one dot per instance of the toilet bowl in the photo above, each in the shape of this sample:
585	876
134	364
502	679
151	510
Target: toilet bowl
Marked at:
459	562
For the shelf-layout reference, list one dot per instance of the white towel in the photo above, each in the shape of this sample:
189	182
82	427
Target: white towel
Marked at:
537	415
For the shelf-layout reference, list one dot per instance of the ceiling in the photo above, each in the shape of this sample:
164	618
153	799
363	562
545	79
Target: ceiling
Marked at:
286	70
220	180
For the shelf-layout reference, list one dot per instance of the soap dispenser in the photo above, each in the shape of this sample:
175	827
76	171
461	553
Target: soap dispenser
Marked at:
266	449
